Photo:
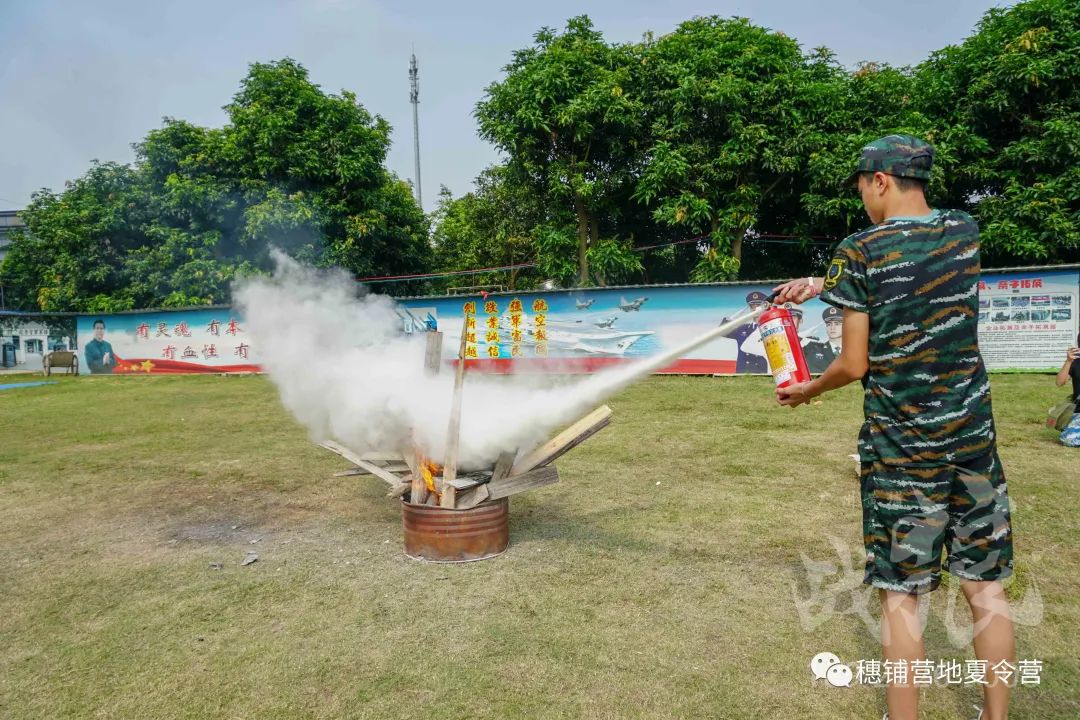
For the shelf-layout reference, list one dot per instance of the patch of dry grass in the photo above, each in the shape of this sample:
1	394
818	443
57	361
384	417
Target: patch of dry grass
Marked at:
618	597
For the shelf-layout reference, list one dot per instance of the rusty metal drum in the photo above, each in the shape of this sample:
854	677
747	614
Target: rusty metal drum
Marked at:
449	535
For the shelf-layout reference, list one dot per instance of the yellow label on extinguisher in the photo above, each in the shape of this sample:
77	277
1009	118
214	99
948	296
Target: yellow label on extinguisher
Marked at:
778	350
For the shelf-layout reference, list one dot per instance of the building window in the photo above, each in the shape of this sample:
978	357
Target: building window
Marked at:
34	347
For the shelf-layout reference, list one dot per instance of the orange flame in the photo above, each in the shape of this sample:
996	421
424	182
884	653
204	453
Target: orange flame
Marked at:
428	470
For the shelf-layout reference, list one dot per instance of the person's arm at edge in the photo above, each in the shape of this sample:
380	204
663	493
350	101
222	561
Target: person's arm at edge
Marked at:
1063	374
852	364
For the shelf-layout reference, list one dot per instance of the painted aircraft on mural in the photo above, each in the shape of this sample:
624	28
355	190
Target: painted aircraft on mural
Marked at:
633	305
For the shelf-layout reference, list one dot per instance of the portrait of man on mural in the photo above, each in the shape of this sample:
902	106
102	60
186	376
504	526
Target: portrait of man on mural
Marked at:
99	353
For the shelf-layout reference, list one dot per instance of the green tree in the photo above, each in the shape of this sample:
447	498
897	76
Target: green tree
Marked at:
1012	92
568	121
735	111
294	168
494	225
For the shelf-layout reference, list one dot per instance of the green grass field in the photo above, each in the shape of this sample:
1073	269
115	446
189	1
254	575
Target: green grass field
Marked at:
663	577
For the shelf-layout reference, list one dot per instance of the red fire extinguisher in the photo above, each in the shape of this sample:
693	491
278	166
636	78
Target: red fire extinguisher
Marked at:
783	350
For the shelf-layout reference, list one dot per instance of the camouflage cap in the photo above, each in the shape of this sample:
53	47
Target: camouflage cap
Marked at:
900	155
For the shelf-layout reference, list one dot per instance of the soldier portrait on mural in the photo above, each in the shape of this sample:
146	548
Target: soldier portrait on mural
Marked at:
751	353
819	353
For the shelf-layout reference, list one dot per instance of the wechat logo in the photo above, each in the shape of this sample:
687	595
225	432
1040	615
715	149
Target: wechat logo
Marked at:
827	666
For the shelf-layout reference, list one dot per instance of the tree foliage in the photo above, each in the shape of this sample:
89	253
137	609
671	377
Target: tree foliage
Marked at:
294	168
730	138
712	152
1011	91
565	118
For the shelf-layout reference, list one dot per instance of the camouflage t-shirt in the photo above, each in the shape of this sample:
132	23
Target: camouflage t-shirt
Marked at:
927	396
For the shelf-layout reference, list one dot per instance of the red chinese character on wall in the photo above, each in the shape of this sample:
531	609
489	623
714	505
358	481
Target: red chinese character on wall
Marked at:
1036	283
241	350
209	351
1025	283
162	330
214	328
234	327
169	353
143	331
1014	284
189	353
1003	284
182	330
982	285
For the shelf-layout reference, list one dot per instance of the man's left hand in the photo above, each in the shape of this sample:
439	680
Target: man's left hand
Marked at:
796	291
794	395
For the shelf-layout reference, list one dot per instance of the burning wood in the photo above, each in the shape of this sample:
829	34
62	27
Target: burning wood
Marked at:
411	475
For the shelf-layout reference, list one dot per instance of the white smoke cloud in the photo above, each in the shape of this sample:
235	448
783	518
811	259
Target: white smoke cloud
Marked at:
346	372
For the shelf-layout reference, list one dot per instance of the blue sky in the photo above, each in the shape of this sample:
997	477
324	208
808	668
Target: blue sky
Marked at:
84	80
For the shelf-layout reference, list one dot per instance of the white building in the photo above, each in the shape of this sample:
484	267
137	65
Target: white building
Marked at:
32	342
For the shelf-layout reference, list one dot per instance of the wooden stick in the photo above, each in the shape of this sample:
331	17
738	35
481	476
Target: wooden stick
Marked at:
394	468
574	435
433	353
380	472
453	433
382	456
417	487
399	490
370	457
418	490
472	497
503	465
342	451
531	480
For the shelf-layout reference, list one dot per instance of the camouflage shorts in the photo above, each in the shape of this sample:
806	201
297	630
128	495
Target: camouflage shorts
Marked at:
912	514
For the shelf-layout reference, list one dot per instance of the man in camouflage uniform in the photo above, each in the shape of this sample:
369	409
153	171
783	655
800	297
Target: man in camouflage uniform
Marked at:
931	480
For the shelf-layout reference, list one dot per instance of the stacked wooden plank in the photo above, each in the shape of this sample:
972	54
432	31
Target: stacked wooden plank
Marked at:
409	474
513	473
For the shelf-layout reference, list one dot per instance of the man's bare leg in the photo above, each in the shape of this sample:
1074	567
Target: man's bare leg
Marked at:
994	640
901	640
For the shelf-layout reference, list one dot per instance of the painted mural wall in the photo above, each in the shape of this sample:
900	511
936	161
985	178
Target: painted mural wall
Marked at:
1026	321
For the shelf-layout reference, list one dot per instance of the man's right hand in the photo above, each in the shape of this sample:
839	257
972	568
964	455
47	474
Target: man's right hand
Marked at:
797	291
